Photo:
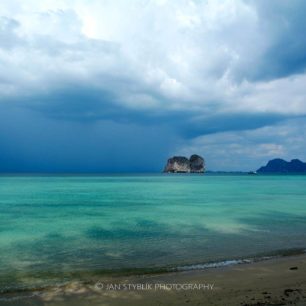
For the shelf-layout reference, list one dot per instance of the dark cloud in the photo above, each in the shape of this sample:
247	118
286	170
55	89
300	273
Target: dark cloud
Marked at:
121	93
31	142
283	23
90	131
229	122
90	105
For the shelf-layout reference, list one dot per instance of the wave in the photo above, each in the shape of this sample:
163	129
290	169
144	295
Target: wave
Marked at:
231	262
90	277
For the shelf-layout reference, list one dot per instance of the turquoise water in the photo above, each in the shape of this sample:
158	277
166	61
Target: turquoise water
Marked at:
54	229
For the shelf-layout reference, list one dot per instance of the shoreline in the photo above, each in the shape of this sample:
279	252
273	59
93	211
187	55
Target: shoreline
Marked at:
274	281
89	277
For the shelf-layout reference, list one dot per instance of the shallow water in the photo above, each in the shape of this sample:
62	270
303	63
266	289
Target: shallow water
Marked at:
59	228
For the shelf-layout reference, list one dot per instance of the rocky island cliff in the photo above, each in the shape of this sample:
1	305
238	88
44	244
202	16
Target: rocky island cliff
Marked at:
279	165
181	164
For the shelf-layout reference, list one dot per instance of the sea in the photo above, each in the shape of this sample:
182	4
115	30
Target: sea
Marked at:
57	229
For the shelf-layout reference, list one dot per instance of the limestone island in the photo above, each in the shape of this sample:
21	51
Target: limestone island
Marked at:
279	165
181	164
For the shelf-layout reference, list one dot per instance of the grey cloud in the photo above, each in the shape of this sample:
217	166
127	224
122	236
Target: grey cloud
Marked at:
9	37
30	142
87	104
249	149
184	69
283	23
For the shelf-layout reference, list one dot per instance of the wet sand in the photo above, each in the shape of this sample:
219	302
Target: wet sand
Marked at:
279	281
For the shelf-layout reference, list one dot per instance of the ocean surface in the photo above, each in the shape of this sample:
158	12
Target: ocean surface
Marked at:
55	229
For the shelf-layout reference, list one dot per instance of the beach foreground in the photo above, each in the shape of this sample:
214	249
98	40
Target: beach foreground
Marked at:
278	281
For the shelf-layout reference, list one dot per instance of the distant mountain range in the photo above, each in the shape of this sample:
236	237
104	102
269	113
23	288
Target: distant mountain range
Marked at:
279	165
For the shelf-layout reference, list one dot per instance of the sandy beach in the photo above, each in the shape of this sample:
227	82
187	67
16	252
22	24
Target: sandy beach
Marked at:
278	281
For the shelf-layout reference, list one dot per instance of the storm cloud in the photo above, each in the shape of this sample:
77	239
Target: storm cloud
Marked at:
96	86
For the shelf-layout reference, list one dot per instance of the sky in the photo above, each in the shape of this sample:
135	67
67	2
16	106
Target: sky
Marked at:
120	86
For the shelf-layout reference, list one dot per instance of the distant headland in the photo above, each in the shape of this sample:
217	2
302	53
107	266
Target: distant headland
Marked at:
181	164
196	164
279	165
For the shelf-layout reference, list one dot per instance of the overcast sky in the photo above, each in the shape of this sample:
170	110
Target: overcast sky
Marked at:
118	85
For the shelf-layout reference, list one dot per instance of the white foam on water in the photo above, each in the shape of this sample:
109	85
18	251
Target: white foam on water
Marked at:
218	264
